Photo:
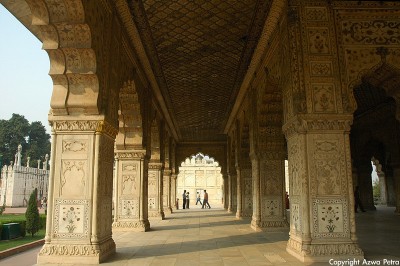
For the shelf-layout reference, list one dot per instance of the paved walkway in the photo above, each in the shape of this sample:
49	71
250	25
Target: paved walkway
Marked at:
214	237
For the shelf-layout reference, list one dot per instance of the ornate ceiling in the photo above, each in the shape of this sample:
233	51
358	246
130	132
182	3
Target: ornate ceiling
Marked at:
200	51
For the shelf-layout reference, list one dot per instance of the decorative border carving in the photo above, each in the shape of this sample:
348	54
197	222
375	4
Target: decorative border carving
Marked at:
130	155
335	249
305	123
137	225
87	125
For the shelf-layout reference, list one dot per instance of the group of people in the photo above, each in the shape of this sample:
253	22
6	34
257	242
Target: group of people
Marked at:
186	200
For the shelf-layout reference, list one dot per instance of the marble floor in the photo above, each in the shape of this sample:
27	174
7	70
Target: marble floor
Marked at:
214	237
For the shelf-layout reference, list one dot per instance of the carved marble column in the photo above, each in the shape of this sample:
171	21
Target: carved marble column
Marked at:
167	192
131	191
382	186
173	190
322	224
234	192
78	227
155	191
269	210
244	192
396	177
238	194
225	191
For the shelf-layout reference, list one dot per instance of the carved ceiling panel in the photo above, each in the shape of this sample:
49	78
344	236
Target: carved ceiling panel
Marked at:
200	51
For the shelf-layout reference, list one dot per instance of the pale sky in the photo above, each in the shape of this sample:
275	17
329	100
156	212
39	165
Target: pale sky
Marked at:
25	86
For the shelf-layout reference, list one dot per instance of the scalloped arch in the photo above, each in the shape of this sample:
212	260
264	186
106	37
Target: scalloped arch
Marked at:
130	134
66	37
383	75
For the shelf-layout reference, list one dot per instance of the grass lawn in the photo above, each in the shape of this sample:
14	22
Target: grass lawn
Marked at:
6	244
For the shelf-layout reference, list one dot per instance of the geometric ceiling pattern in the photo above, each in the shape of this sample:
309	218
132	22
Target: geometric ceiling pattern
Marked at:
200	51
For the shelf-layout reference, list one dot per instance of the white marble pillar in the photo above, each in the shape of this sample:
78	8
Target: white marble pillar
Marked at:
322	223
173	190
269	210
131	191
78	227
167	192
155	180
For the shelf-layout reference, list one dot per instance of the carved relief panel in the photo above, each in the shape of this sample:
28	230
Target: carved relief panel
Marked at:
318	40
271	207
73	170
128	185
328	169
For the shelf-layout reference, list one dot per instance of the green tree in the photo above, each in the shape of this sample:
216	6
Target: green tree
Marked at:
32	214
38	141
376	190
33	138
12	133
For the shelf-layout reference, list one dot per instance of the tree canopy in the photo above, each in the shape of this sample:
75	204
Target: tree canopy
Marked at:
32	136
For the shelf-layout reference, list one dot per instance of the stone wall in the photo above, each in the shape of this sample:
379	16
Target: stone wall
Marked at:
18	182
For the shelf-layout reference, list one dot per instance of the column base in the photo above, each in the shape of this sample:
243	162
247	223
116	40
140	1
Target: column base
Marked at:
168	210
65	253
156	215
131	226
324	252
258	225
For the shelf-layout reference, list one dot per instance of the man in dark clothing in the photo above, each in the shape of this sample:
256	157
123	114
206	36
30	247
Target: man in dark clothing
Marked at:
184	199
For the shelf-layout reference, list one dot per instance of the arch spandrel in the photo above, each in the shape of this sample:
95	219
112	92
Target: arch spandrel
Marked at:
383	75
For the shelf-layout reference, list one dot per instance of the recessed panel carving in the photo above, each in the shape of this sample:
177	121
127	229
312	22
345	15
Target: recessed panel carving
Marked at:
324	98
73	177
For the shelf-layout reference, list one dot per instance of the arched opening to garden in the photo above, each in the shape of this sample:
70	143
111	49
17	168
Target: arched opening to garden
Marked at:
197	173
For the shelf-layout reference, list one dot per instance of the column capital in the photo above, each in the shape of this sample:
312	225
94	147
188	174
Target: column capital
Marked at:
314	123
155	165
167	172
130	154
90	124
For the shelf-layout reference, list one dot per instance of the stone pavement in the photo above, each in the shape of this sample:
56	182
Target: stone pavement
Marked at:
214	237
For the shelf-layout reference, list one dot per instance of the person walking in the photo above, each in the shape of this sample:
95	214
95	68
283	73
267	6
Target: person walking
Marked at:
205	200
187	200
198	199
184	199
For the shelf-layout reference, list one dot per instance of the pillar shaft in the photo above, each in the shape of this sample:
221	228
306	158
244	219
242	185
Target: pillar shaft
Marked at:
156	210
232	193
244	193
131	191
396	177
80	193
322	223
173	190
167	191
268	193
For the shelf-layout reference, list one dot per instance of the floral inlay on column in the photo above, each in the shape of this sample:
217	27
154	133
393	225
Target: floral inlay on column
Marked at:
331	214
71	216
